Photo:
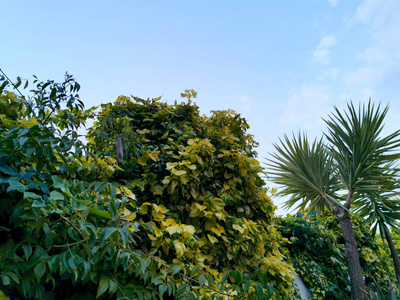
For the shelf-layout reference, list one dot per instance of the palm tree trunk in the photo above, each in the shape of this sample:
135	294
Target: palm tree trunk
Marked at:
358	291
393	252
353	261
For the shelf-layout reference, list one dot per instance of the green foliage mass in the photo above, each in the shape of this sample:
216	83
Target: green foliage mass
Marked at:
184	216
197	183
316	247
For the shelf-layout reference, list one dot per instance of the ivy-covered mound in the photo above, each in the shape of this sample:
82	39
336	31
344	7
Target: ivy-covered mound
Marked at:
316	247
197	185
183	216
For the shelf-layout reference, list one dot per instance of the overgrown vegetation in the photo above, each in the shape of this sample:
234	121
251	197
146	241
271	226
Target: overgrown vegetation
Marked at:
316	246
184	216
162	203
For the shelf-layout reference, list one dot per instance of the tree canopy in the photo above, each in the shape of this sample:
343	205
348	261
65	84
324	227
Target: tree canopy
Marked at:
161	202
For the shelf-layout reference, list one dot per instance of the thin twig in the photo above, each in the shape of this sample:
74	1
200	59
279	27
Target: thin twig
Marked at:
23	97
125	220
72	244
116	282
12	83
73	226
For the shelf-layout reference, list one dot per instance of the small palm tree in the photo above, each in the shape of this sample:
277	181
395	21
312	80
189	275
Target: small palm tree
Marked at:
329	176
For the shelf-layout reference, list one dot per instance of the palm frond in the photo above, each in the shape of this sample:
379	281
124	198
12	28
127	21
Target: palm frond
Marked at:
363	157
305	171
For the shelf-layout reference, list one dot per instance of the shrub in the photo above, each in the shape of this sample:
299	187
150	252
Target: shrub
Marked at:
316	247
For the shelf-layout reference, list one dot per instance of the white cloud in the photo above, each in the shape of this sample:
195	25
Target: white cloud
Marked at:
365	76
380	82
307	105
244	104
328	41
331	74
383	17
333	3
366	10
321	53
372	55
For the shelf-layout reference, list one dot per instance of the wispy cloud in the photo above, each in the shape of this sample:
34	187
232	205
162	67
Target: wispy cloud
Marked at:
383	17
244	103
307	105
378	75
331	74
322	53
333	3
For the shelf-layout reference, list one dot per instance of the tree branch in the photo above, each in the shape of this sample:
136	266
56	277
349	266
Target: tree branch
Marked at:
73	226
349	198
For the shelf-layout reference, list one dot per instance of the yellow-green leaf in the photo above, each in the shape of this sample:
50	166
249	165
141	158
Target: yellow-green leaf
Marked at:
171	165
178	172
212	239
154	155
239	228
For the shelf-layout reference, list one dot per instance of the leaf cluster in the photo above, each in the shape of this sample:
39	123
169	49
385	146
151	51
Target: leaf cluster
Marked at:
198	184
183	216
316	247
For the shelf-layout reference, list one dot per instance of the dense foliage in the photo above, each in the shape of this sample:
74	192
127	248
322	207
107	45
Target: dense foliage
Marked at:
184	215
197	183
316	247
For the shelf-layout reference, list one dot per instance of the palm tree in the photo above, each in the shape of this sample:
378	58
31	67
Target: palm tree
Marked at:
329	176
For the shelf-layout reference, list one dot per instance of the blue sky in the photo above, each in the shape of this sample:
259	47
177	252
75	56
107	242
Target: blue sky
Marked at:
282	64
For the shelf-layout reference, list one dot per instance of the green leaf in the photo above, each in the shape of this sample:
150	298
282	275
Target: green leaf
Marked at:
105	234
100	186
100	213
246	286
86	267
270	289
22	141
175	270
13	276
27	250
26	285
202	280
30	195
194	271
38	203
113	288
16	185
102	288
6	280
158	279
71	262
23	131
64	260
224	278
260	292
113	191
58	182
161	289
56	195
142	265
39	270
237	276
6	169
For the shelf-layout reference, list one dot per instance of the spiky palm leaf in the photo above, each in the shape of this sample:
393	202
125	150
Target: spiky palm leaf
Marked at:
304	171
381	210
364	159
